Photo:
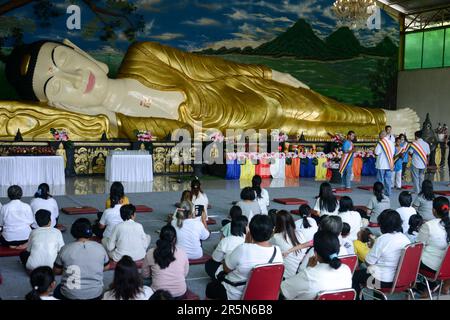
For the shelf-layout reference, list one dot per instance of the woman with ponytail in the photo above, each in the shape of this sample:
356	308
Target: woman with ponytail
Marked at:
44	200
42	282
324	272
307	226
326	203
262	196
349	215
116	192
424	201
435	235
377	204
167	264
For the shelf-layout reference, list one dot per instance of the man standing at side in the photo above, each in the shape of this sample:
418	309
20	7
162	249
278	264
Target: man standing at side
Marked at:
420	150
385	162
389	134
346	165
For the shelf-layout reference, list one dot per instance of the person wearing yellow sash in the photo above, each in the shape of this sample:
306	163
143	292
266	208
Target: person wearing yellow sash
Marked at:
419	150
385	151
346	165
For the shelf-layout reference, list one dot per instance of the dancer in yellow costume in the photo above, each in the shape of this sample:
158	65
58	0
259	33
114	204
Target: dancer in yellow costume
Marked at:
160	88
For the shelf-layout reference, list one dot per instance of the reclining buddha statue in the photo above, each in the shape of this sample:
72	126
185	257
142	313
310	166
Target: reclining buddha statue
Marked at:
160	89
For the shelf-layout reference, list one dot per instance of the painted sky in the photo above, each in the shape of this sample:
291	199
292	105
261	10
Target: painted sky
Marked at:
198	24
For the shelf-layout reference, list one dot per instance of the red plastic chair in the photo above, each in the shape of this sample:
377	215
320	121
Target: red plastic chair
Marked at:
441	275
406	275
351	261
264	282
344	294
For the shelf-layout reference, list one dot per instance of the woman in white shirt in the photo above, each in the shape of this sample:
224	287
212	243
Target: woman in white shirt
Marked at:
199	198
127	283
109	219
285	236
326	203
405	211
238	265
384	257
307	226
16	218
415	223
190	232
42	280
350	216
128	237
262	196
324	272
238	229
43	200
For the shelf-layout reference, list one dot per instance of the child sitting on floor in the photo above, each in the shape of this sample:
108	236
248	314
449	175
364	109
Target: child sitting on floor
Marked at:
42	281
364	243
44	244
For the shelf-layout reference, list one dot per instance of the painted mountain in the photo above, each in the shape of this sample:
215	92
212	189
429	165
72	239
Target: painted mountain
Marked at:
301	42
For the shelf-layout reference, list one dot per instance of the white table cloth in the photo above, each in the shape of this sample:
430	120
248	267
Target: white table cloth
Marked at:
32	170
129	168
277	170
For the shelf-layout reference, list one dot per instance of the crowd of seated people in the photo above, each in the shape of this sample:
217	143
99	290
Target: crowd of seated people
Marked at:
311	249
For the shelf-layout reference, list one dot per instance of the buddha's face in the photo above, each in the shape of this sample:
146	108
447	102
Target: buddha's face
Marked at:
67	77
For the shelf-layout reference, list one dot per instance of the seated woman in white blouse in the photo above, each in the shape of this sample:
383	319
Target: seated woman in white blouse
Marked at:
286	237
199	197
190	232
383	259
16	218
238	229
435	235
307	226
127	283
350	216
128	237
44	200
326	203
109	219
324	272
262	196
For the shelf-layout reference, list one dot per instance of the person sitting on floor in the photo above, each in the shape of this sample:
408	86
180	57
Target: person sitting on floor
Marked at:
199	197
350	216
285	237
235	212
190	232
109	219
16	219
326	203
44	244
248	203
324	272
346	239
128	237
262	196
377	204
238	231
424	201
117	191
84	259
161	295
167	264
363	244
435	235
127	283
307	226
383	259
44	200
415	223
42	280
405	211
238	265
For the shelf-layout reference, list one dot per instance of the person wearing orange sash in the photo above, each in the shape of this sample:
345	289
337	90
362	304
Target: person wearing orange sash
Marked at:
385	151
420	150
346	165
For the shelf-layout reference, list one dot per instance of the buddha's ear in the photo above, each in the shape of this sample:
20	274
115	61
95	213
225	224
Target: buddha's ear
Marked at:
102	65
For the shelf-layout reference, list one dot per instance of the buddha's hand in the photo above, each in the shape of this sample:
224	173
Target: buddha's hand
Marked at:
288	79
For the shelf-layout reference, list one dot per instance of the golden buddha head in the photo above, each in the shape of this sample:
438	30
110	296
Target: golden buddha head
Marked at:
58	73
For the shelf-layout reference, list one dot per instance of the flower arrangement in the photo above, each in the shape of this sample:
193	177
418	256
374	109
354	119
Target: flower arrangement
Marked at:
143	135
59	134
292	155
337	138
217	137
442	132
279	136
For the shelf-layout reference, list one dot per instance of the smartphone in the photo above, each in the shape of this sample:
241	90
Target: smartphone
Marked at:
199	210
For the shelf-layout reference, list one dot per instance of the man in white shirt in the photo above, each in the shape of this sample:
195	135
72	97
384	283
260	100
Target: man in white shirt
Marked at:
389	133
420	150
44	244
16	218
385	151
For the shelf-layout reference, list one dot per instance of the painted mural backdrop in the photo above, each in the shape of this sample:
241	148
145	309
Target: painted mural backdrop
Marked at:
303	38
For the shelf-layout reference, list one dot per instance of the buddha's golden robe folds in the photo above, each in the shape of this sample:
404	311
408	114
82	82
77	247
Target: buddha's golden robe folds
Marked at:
221	94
